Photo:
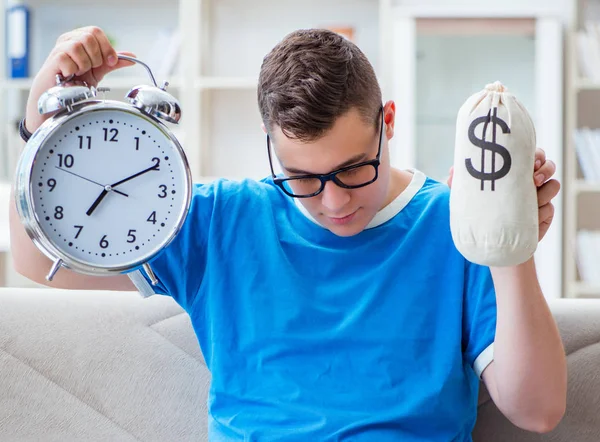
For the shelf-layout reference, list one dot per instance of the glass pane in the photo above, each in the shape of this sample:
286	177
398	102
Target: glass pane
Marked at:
455	59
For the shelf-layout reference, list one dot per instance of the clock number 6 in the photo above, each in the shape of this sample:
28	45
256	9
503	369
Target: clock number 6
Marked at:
103	242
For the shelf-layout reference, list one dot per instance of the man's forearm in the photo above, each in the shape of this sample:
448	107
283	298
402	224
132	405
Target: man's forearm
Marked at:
529	359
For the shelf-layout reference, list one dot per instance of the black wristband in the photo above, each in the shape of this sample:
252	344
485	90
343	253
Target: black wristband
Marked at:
25	134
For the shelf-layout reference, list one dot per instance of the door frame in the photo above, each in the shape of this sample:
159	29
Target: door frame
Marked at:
399	85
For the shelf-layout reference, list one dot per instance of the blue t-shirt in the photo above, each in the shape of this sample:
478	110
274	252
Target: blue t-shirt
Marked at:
314	337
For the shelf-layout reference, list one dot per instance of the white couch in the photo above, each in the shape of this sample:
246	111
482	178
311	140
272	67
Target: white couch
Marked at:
112	366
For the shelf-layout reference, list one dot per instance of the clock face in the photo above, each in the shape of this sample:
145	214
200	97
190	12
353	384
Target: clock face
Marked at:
109	188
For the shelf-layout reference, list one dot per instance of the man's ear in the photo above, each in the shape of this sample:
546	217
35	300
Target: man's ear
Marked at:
262	125
389	110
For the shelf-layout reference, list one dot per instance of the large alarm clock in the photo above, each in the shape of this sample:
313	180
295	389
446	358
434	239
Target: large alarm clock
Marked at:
103	186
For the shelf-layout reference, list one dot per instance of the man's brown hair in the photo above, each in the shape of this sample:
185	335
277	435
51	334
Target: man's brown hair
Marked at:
312	77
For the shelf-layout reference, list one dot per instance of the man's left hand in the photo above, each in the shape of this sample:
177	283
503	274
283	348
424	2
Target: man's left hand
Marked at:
547	189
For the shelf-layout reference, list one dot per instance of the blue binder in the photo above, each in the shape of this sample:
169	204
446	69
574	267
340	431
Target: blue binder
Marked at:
17	40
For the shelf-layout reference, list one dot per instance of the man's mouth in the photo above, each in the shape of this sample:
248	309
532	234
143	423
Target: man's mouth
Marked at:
341	220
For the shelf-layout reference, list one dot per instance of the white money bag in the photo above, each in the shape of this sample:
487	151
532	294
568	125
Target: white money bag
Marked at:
493	199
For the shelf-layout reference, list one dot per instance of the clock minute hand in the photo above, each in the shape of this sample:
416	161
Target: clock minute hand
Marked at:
111	187
135	175
91	181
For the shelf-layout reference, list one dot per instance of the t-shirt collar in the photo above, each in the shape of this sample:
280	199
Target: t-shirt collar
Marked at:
389	211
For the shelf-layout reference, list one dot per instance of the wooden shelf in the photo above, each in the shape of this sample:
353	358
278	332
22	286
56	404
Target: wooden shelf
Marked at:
586	84
581	289
128	82
19	84
580	190
582	186
110	82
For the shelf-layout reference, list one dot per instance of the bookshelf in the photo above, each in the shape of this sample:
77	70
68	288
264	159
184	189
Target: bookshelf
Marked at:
223	43
582	153
216	74
221	47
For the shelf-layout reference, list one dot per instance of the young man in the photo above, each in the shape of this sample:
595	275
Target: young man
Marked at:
330	303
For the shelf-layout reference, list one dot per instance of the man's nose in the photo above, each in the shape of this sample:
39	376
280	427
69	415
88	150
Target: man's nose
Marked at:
334	197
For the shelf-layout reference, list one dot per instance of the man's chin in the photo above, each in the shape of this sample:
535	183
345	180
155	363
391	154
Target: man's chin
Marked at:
345	231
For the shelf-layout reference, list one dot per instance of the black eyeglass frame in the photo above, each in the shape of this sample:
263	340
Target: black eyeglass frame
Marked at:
323	178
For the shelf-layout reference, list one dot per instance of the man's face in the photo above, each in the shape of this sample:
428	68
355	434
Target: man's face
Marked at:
344	212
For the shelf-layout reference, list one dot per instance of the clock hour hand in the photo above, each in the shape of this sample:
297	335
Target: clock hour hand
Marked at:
91	181
98	200
111	187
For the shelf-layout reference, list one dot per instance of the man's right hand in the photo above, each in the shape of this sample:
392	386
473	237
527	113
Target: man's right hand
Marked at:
85	53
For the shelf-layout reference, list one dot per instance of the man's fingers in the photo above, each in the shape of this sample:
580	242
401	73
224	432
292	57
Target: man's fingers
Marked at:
109	55
546	213
545	172
77	53
101	71
547	192
540	158
92	48
65	64
450	176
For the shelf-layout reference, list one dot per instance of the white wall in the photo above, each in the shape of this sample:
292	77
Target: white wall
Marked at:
564	6
450	69
236	139
237	143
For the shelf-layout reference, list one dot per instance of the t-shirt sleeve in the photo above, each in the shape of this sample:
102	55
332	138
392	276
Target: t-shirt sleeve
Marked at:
479	317
179	267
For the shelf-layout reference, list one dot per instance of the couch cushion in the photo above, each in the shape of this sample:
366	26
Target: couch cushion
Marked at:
98	366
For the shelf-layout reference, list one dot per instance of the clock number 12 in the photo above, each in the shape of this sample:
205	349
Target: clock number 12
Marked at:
114	132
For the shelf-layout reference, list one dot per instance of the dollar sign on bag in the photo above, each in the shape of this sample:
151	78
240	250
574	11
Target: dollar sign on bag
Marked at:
492	146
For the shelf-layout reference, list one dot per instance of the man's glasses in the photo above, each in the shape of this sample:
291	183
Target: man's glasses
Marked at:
350	177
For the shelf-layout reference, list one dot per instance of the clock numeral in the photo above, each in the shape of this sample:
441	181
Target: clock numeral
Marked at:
65	160
81	143
51	184
152	218
157	161
58	212
114	132
163	193
79	229
103	242
130	236
137	143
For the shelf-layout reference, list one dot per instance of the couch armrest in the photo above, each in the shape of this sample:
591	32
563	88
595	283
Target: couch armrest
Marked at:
579	324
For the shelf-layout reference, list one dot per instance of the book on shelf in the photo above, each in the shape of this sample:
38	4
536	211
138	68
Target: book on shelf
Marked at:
587	150
587	252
